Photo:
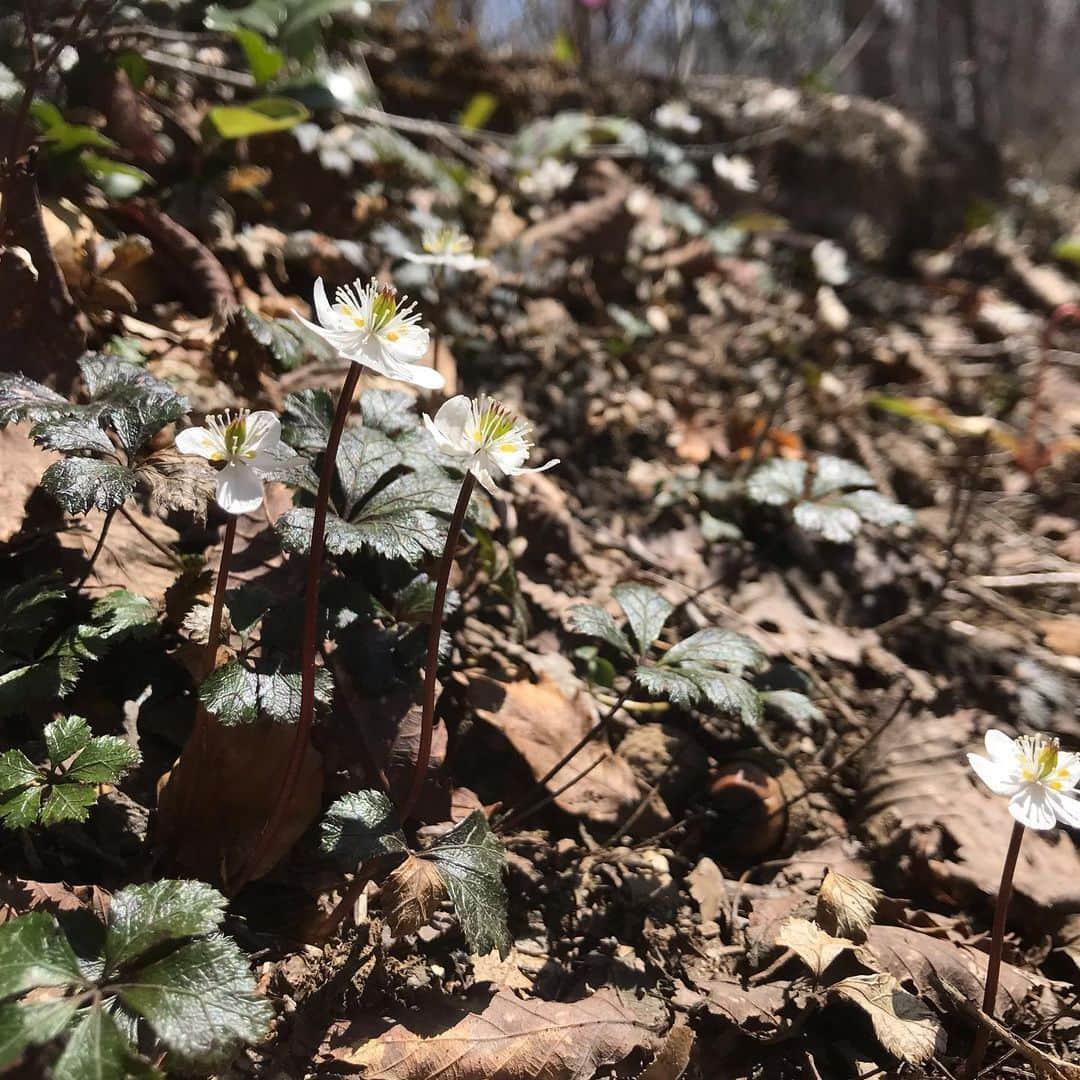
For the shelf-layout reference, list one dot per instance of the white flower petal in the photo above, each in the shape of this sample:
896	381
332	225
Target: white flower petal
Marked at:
1000	780
1031	806
510	459
323	311
478	469
201	441
345	341
448	427
263	431
417	374
239	490
1000	747
539	468
1066	810
411	344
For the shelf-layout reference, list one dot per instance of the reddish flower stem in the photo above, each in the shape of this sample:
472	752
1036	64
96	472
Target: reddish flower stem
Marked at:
309	641
997	945
427	720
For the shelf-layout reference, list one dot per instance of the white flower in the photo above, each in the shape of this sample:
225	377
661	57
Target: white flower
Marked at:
487	435
546	181
830	263
448	246
371	325
1039	778
676	116
248	445
736	171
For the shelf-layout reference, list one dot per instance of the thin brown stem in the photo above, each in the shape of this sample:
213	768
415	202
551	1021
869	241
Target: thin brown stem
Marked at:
309	640
997	945
97	547
427	719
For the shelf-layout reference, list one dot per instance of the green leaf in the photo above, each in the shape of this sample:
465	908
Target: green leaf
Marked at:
676	685
20	810
104	761
364	457
719	648
68	434
78	484
359	826
777	483
67	802
117	179
262	58
64	136
265	16
137	423
876	508
391	411
831	521
646	612
792	705
478	111
120	613
17	770
31	1023
65	737
96	1050
200	1001
260	117
472	860
596	622
23	399
53	677
834	474
142	917
33	953
693	687
308	416
237	694
113	382
280	337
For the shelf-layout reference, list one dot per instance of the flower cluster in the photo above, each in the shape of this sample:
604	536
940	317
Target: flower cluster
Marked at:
448	246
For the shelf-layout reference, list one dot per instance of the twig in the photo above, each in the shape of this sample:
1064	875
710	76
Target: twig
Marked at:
1026	581
240	79
97	548
553	795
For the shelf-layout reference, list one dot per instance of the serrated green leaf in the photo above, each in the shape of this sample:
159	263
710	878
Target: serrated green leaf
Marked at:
53	677
111	381
831	521
729	694
364	457
260	117
669	682
596	622
138	422
96	1049
118	613
34	952
79	484
777	483
67	802
307	419
646	612
200	1001
471	860
17	770
65	736
359	826
876	508
20	809
791	704
390	411
280	337
69	434
104	761
237	694
142	917
23	399
31	1023
715	647
834	474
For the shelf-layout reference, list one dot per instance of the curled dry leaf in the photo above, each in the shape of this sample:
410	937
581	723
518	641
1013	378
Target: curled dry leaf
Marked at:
516	1040
411	894
845	907
816	949
904	1026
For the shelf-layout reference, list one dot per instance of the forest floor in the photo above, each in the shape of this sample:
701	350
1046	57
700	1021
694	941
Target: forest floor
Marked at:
667	334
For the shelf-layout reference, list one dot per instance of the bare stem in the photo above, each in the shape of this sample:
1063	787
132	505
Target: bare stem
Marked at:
427	719
310	628
997	945
97	548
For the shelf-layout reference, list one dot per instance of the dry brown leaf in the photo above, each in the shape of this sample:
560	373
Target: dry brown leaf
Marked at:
816	949
1062	635
411	894
926	961
20	895
542	725
670	1063
845	907
904	1026
513	1039
707	887
572	231
754	1010
503	974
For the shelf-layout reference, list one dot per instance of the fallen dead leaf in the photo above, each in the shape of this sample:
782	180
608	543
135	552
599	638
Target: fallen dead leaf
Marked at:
816	949
708	888
671	1061
502	974
411	894
845	907
1062	635
513	1040
904	1026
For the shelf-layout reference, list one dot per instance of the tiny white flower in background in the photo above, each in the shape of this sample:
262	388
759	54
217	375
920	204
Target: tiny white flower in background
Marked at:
736	171
247	445
830	263
1039	778
676	116
485	434
448	246
371	325
546	181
